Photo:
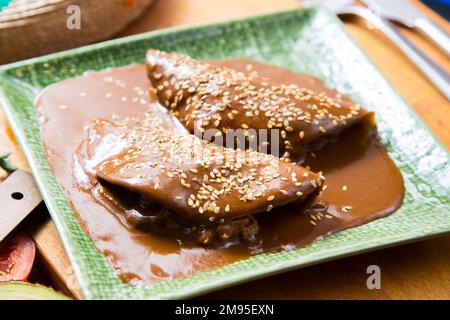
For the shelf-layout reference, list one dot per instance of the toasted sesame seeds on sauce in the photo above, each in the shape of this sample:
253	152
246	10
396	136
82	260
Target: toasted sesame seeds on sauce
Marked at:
199	91
291	223
231	188
213	180
347	208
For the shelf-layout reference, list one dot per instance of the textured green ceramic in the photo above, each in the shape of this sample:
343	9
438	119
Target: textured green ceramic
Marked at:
308	40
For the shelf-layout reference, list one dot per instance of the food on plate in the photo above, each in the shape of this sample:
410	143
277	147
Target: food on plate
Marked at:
118	144
185	185
206	96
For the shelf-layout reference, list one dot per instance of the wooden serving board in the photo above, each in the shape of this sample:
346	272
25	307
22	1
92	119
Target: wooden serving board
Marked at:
415	271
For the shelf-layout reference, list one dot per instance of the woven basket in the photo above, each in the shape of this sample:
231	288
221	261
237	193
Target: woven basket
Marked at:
30	28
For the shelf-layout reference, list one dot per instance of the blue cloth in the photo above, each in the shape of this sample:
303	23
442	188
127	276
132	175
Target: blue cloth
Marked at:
4	3
442	7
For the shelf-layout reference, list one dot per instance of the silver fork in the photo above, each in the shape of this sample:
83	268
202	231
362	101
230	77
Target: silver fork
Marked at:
437	75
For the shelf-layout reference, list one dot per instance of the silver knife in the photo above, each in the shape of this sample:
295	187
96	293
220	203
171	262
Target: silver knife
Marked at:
403	12
19	195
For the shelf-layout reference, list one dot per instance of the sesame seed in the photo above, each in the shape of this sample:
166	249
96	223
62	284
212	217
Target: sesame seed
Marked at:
347	208
282	105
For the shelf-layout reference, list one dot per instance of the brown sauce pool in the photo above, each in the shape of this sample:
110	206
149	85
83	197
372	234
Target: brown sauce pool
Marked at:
363	183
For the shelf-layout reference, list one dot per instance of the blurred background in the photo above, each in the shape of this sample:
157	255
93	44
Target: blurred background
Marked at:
30	28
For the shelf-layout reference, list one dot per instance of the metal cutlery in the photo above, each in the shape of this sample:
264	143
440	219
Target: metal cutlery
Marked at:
401	11
437	75
19	195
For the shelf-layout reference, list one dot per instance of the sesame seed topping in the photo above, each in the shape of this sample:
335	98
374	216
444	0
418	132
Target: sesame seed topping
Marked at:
347	208
222	93
243	176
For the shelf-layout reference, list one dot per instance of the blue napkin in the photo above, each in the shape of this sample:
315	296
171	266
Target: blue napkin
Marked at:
4	3
442	7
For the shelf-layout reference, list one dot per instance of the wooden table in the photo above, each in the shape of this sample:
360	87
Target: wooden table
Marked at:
414	271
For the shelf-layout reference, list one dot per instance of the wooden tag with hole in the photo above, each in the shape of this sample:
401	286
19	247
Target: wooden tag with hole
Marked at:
19	195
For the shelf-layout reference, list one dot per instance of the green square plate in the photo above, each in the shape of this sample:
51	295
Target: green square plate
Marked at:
309	40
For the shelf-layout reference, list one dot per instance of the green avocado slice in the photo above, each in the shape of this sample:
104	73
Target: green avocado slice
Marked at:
28	291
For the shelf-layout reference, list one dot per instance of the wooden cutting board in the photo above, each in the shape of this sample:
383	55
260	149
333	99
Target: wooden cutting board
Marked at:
415	271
